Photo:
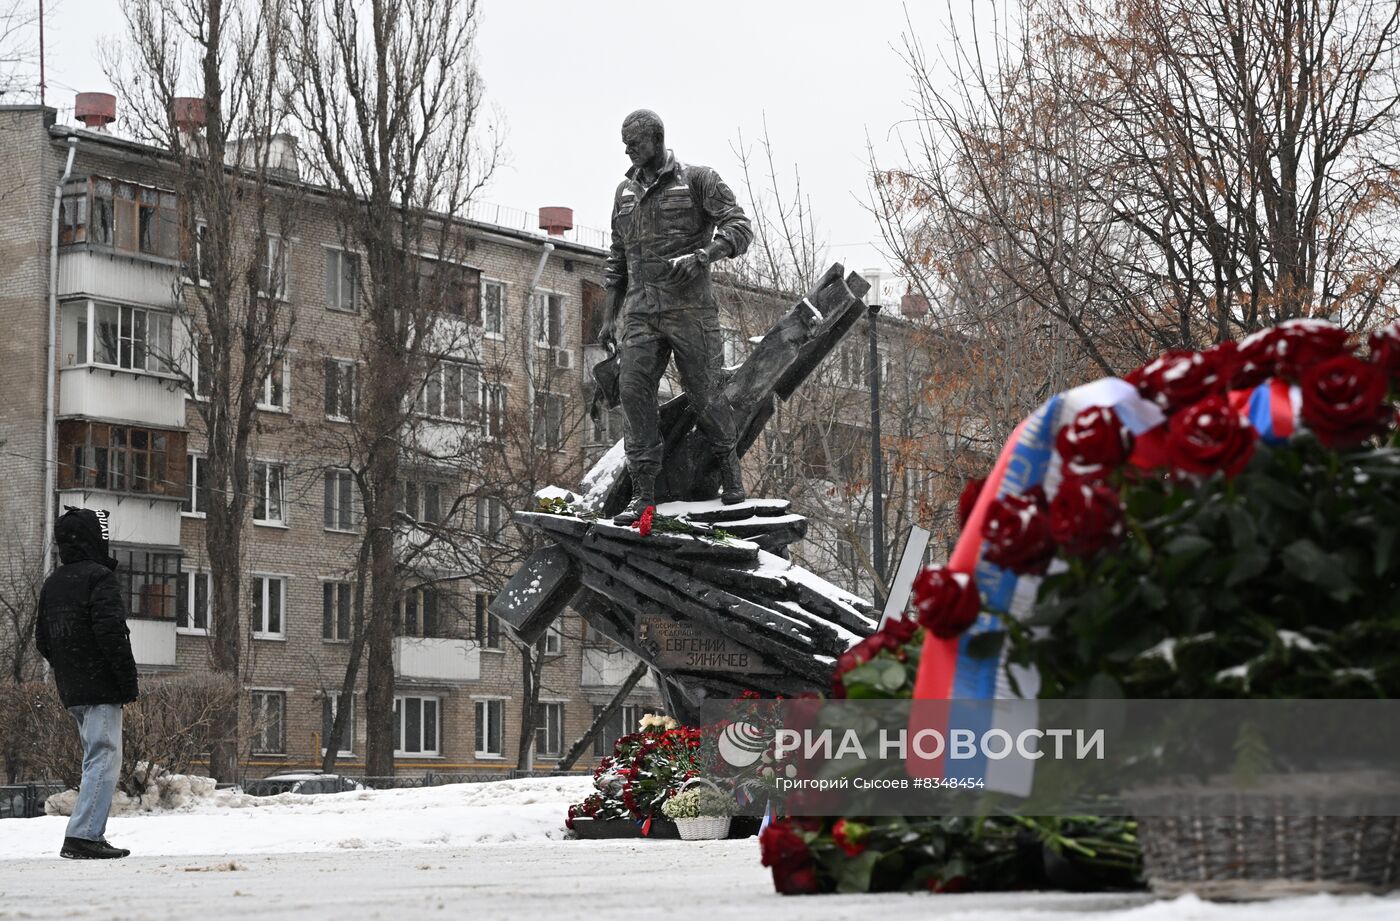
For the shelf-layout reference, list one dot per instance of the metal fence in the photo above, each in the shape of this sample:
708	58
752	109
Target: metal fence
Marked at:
26	800
432	779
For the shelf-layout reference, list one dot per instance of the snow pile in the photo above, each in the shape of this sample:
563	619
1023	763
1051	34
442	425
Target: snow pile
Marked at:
455	815
164	792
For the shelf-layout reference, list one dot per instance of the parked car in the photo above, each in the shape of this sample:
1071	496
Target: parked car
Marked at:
305	782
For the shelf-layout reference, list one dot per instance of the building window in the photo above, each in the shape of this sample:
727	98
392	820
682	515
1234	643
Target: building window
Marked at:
607	428
450	391
335	611
96	455
342	278
418	614
127	217
548	430
274	394
269	606
493	308
340	501
195	591
340	388
272	273
493	409
149	581
196	487
130	337
267	494
330	705
551	643
490	717
730	344
197	263
624	722
488	629
591	310
450	288
269	722
421	501
549	730
416	725
548	312
490	513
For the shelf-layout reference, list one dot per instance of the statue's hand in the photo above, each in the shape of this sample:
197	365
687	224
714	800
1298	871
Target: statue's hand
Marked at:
607	335
685	268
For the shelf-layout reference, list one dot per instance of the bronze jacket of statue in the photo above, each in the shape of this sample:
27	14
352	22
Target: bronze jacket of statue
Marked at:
686	208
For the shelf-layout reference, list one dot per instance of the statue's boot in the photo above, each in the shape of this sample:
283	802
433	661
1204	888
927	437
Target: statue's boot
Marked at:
731	480
643	494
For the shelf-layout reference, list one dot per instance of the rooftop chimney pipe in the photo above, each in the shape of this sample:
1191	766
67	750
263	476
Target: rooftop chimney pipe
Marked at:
188	112
96	110
556	220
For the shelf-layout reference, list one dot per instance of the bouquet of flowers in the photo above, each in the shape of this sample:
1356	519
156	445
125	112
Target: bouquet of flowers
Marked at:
1245	545
645	769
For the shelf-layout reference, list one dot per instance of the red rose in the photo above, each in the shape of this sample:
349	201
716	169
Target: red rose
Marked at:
947	602
643	524
1017	534
850	837
968	499
1086	517
1303	344
1209	436
1179	377
1094	443
1385	349
786	852
952	884
1344	401
900	630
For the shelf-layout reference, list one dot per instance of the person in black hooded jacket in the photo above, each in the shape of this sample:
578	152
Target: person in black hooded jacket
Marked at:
82	633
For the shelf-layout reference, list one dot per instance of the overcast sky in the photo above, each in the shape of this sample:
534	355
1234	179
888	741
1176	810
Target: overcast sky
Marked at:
563	73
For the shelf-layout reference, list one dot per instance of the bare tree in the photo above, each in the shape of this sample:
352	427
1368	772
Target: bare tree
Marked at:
1107	180
387	94
17	52
233	215
21	579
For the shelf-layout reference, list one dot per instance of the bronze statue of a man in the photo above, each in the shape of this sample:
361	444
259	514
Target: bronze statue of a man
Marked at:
670	221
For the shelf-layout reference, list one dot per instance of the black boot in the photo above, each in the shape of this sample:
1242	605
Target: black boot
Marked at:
83	849
643	494
731	480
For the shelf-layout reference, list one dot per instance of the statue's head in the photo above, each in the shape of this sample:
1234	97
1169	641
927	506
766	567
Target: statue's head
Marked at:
643	136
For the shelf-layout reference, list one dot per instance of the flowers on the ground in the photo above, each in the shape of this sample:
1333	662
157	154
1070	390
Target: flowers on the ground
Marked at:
645	769
947	602
850	836
785	850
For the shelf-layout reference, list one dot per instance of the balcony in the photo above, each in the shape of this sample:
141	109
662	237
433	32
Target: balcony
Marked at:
105	274
127	396
136	519
152	642
605	667
436	659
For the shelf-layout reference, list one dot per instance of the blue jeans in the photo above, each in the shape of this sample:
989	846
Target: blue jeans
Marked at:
100	728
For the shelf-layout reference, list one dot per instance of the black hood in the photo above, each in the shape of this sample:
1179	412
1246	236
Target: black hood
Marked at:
81	534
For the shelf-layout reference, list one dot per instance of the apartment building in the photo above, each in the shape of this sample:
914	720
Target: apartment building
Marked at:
128	439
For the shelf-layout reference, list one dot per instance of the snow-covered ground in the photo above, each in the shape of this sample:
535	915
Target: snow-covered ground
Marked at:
485	852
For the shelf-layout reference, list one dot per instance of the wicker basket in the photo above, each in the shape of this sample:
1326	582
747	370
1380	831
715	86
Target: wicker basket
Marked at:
705	827
1190	843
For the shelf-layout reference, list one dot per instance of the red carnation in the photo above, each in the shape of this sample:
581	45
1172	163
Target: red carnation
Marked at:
1180	377
1207	437
947	602
1094	443
1344	401
1385	350
850	837
1017	534
968	499
643	524
1086	517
